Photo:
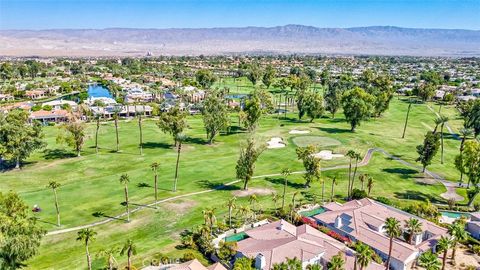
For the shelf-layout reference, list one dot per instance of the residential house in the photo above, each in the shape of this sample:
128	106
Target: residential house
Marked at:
61	104
190	265
6	97
53	116
35	94
473	226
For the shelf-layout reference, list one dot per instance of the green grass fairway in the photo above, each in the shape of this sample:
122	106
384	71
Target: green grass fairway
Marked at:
302	141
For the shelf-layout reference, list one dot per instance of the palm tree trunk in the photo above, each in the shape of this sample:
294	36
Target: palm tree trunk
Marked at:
156	186
454	251
96	135
116	133
285	105
389	254
349	177
176	166
89	260
230	217
441	139
323	192
126	203
17	164
56	207
331	194
444	259
354	175
406	120
129	260
284	193
141	133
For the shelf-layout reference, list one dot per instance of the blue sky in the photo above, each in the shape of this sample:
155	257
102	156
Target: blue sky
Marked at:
48	14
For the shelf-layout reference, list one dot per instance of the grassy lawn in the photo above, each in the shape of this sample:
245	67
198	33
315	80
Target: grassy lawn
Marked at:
90	183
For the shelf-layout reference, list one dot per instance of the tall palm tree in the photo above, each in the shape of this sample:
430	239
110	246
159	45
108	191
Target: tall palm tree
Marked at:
438	122
357	158
125	179
429	261
294	204
275	199
209	218
294	264
362	178
392	228
130	249
140	131
87	236
443	245
155	166
336	262
231	205
458	233
364	255
245	212
179	139
406	119
465	133
97	117
351	155
109	256
253	200
54	185
444	120
370	184
413	227
285	172
334	182
116	111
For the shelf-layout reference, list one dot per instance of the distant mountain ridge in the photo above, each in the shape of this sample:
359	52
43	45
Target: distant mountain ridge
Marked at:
373	40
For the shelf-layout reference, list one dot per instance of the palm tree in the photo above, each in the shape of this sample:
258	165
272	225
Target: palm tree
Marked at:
179	139
231	205
140	131
336	262
334	182
351	155
155	166
370	184
444	120
125	179
130	249
406	119
253	200
275	199
87	235
363	178
444	243
108	255
364	255
457	231
285	172
392	228
429	261
414	227
438	122
97	117
294	205
116	110
54	185
294	264
465	133
245	212
357	158
209	218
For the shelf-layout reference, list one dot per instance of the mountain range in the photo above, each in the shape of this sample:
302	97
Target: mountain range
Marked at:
288	39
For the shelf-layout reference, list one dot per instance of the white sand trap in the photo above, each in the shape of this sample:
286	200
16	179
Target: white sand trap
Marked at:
327	155
251	191
275	142
296	131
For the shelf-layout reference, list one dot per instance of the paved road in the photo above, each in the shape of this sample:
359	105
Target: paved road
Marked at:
366	159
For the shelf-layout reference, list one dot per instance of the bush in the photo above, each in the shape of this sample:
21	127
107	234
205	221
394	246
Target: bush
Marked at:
384	200
47	108
358	194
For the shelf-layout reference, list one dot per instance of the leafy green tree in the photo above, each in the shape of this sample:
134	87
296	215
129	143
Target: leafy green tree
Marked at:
428	149
173	122
54	186
209	218
19	138
310	163
130	249
20	235
73	135
254	73
471	163
215	115
370	184
429	261
87	235
124	180
425	91
269	76
336	262
314	105
393	230
205	78
333	98
243	263
246	161
471	113
357	106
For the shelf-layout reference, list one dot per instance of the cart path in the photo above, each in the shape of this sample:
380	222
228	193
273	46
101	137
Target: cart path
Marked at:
450	186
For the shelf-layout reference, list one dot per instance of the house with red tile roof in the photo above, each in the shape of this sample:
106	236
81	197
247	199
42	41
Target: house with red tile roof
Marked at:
54	116
275	242
190	265
363	220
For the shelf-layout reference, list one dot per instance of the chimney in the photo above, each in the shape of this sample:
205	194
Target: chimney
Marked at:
260	262
338	222
280	226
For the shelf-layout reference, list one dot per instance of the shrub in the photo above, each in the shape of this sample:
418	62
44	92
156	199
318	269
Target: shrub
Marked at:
358	194
384	200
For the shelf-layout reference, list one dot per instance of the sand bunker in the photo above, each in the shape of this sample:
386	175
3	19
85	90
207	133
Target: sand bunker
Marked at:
327	155
296	131
275	142
251	191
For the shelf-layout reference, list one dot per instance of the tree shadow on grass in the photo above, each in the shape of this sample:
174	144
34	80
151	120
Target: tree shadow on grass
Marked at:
99	214
403	172
153	145
234	130
281	181
50	154
334	130
210	185
416	195
144	185
46	222
195	140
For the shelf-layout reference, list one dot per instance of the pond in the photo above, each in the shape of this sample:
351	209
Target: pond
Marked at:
96	90
454	215
236	237
313	212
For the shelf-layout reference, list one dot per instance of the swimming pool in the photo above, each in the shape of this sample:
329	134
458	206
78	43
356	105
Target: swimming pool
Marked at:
236	237
313	212
454	215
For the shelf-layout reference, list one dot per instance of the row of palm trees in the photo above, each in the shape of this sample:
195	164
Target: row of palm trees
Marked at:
129	248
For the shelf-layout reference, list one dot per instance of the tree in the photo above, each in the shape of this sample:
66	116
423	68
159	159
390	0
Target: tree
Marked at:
443	120
54	186
215	115
243	263
231	205
363	255
130	249
357	157
87	235
314	105
428	149
209	218
458	233
246	161
140	133
333	96
310	162
392	228
443	245
370	184
413	227
425	91
205	78
124	180
179	139
258	103
471	113
155	166
406	119
357	106
285	172
20	235
334	182
74	135
173	122
116	111
269	76
254	73
109	256
336	262
471	163
19	138
429	261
